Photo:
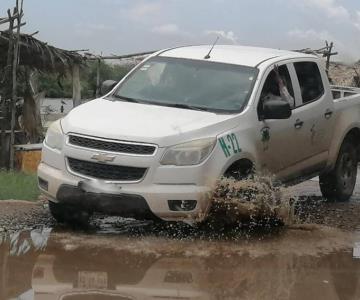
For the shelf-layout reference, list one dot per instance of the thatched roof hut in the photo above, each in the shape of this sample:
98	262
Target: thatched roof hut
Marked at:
40	56
34	55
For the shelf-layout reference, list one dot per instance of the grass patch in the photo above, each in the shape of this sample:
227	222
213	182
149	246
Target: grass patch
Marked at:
18	186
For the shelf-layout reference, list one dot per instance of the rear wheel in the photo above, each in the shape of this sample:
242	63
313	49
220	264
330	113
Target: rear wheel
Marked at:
338	184
64	213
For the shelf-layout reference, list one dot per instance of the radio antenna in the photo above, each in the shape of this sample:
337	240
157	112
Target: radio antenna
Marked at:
208	55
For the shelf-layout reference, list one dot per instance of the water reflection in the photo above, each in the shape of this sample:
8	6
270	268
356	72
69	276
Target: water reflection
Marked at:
356	251
37	266
22	241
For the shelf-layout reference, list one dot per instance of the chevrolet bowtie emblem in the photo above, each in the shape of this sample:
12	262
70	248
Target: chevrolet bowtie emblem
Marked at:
103	158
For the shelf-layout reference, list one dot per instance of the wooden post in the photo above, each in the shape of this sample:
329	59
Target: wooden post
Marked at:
3	156
14	84
4	160
76	85
98	78
329	53
2	132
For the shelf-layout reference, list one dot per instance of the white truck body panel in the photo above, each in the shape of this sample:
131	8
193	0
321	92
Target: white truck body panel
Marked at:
290	153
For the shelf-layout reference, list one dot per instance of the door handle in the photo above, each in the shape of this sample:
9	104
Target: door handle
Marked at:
298	124
328	114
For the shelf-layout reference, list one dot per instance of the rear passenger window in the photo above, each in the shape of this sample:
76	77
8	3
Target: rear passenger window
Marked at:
336	94
310	81
348	94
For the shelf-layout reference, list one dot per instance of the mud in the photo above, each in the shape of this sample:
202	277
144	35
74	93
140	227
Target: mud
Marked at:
316	256
309	208
251	200
20	215
310	262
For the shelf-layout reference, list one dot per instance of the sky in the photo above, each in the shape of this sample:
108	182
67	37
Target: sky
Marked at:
128	26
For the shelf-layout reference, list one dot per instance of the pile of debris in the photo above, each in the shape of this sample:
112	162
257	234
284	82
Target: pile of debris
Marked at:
345	75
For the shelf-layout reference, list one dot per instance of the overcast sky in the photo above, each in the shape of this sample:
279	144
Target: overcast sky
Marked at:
127	26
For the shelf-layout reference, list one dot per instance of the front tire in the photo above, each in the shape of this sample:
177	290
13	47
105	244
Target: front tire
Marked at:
339	184
68	214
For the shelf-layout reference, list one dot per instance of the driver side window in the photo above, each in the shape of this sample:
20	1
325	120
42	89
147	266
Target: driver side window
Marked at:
276	89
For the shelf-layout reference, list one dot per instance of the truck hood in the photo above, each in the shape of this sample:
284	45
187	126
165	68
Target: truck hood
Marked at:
159	125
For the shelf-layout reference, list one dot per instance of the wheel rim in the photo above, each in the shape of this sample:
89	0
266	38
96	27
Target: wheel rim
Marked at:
347	171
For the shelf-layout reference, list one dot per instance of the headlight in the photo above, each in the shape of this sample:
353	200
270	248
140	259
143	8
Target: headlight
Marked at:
54	136
188	154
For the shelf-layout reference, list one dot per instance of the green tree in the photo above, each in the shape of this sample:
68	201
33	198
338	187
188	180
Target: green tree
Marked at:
55	86
61	87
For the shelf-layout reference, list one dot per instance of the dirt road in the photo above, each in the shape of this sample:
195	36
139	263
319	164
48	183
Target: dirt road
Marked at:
125	259
309	209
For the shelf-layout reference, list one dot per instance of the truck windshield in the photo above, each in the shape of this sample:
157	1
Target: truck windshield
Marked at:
189	84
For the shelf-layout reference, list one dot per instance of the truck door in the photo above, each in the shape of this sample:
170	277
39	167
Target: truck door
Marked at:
278	148
314	116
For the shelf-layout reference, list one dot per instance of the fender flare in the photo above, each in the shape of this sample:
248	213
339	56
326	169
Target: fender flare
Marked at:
246	156
335	148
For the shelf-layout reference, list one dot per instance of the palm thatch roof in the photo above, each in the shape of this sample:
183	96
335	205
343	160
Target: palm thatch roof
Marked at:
40	56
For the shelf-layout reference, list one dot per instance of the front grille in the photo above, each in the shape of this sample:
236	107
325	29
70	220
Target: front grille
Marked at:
110	146
105	172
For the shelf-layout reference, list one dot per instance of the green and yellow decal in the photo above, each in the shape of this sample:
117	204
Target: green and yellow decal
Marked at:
229	145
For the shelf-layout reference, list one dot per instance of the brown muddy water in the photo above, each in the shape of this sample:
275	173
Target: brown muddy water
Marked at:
314	256
136	260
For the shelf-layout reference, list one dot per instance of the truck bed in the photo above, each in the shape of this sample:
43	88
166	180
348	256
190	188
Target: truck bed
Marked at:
340	92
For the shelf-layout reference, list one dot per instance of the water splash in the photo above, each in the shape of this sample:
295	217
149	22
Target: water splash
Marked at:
253	200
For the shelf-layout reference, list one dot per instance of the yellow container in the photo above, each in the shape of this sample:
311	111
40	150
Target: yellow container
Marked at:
28	157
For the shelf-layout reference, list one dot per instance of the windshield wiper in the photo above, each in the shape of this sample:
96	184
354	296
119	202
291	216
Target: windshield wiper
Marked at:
176	105
186	106
127	99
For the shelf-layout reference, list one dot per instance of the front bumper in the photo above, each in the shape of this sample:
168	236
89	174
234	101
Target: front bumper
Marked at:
126	205
128	200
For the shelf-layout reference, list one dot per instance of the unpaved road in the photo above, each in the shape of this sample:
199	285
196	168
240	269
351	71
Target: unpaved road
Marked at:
310	209
125	259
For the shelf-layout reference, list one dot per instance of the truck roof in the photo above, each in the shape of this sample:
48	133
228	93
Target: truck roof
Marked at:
238	55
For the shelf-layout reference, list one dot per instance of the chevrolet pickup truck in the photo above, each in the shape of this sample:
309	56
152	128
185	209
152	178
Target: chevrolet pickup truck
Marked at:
155	145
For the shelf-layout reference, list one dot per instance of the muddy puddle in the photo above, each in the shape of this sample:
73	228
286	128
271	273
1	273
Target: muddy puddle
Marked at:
117	258
300	262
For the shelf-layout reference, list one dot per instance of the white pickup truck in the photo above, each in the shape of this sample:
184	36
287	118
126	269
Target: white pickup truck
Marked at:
155	145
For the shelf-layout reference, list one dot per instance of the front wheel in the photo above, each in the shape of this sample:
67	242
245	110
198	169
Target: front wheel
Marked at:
68	214
339	184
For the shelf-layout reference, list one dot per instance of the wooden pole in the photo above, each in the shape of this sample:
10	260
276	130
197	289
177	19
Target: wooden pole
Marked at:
2	133
14	84
123	56
328	56
4	161
76	85
3	148
6	20
98	78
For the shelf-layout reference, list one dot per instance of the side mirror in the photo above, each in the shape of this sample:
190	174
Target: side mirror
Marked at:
276	109
107	86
